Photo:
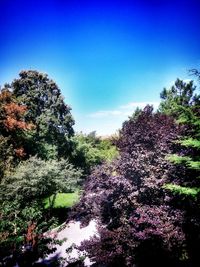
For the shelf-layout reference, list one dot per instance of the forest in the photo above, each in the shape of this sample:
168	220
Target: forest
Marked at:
141	185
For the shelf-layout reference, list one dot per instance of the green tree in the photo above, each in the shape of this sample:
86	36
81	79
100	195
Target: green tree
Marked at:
35	131
177	99
183	103
47	110
90	150
22	196
36	179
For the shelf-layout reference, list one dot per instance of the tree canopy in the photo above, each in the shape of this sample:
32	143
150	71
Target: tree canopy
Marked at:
142	187
136	221
13	129
47	110
35	131
184	176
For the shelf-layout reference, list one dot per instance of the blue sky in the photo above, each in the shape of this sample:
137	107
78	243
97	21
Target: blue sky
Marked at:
106	56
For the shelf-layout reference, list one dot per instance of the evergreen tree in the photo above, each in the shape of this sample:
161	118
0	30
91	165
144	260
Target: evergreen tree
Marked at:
182	102
184	175
179	98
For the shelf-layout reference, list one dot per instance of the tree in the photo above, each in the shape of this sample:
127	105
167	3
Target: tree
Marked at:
13	129
178	98
35	131
184	175
47	110
89	151
137	227
184	105
22	195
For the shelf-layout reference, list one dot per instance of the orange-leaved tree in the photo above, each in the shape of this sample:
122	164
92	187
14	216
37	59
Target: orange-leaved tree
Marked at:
13	128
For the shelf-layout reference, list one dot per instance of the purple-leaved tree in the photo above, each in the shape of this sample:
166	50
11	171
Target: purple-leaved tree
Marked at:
137	225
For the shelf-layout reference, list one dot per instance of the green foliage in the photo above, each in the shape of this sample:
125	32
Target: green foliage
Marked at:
178	159
107	150
186	191
6	156
185	160
46	107
37	178
14	223
35	149
180	96
183	103
90	150
190	142
195	165
47	111
22	195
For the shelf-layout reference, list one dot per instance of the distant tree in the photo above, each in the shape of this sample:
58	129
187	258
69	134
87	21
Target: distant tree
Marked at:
89	151
47	110
92	135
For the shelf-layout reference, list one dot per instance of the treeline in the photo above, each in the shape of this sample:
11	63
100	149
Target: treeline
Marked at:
147	202
142	186
40	156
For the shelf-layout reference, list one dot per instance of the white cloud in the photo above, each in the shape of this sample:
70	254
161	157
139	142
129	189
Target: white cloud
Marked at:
122	111
107	126
187	80
134	105
105	113
106	122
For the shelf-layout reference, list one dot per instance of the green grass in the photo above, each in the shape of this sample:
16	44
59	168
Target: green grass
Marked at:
64	200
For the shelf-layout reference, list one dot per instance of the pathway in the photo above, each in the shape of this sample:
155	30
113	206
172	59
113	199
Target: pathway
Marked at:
74	235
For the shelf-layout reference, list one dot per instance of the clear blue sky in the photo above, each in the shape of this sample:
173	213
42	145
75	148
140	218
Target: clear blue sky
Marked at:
106	56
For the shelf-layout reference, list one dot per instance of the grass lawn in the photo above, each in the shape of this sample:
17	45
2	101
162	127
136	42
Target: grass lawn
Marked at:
64	200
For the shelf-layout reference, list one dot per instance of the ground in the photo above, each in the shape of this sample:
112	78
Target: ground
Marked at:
74	235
